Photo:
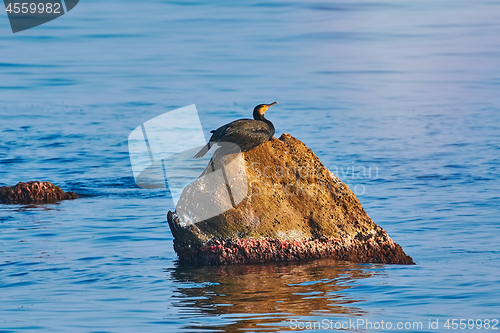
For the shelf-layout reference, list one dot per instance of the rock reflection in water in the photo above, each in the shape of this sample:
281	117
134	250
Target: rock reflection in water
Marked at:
267	296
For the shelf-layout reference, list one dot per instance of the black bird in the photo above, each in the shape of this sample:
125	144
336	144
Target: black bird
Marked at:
246	133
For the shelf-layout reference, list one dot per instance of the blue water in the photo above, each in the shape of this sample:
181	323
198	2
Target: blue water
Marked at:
408	90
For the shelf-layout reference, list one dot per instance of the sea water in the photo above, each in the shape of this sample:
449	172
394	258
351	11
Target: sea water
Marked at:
399	99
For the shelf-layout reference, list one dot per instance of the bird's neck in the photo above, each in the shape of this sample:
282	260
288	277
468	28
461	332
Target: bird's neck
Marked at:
258	116
271	126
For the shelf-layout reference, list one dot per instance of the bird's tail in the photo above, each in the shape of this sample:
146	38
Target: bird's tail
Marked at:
203	151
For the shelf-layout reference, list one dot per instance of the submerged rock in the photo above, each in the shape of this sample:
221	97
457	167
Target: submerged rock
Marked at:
34	193
276	202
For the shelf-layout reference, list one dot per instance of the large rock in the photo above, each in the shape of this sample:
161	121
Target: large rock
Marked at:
294	209
34	193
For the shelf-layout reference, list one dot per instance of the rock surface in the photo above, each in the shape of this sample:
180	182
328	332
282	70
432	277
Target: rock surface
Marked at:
287	206
34	193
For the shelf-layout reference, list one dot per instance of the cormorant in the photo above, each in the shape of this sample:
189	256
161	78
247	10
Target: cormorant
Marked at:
246	133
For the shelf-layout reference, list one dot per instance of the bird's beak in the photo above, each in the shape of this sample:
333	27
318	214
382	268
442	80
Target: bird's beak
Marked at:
269	105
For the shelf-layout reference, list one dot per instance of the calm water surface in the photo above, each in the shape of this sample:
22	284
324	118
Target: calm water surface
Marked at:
407	90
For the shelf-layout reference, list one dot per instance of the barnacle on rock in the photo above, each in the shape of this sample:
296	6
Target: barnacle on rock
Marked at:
34	192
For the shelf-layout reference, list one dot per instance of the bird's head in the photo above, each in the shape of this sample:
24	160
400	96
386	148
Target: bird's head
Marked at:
261	109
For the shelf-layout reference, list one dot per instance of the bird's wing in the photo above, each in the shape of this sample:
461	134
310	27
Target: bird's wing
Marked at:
247	125
246	131
219	133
